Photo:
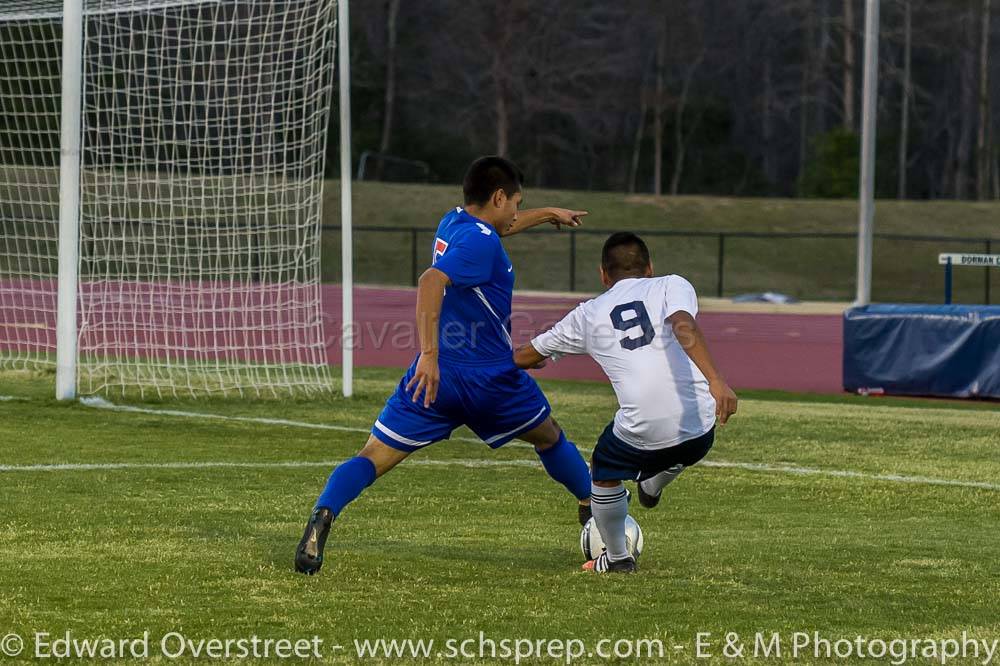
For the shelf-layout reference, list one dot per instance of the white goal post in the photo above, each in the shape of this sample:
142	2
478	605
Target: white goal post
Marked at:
161	187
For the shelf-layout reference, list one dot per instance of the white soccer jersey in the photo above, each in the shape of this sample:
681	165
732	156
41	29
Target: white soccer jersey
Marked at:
663	397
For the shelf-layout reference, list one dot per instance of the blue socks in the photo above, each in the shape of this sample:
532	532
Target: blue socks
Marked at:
564	463
346	483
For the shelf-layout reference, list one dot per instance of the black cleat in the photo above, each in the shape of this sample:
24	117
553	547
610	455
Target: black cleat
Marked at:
647	500
603	564
309	554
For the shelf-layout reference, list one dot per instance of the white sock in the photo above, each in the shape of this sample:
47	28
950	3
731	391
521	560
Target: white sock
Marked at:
655	484
610	507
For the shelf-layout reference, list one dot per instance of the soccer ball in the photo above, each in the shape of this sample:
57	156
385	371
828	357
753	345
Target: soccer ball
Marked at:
592	544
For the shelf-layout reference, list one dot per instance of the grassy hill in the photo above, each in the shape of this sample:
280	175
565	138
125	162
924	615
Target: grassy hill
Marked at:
821	269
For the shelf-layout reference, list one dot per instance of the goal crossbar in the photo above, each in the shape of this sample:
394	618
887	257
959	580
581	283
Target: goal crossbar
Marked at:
55	10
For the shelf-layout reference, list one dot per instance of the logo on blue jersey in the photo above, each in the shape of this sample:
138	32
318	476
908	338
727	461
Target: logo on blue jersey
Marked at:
439	248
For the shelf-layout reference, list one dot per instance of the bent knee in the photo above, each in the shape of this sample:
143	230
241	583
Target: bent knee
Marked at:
383	456
545	436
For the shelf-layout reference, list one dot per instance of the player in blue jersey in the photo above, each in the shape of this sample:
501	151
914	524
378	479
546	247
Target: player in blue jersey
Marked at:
465	373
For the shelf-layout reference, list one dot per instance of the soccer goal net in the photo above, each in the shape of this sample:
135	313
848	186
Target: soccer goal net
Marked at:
202	144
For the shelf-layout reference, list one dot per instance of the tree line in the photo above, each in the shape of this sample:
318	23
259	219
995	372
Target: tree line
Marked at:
723	97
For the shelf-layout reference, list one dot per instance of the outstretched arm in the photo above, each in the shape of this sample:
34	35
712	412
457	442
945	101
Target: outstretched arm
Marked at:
430	294
689	335
566	337
526	357
535	216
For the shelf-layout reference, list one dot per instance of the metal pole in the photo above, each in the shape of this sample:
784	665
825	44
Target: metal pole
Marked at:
947	282
361	165
572	261
720	263
989	250
69	199
413	257
346	237
866	203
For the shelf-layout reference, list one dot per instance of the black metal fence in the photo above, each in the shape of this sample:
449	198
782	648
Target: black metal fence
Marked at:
808	265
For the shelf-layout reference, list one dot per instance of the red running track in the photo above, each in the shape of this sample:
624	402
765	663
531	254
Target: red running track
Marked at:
790	352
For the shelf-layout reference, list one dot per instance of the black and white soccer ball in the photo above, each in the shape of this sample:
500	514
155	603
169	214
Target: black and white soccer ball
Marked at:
592	544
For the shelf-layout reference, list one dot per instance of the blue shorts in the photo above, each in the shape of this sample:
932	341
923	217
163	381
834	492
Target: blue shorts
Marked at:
615	460
497	402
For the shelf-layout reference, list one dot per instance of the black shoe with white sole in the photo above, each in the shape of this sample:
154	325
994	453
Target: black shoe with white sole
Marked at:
604	564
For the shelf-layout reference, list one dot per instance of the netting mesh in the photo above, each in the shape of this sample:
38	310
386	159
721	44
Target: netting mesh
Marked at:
204	133
30	55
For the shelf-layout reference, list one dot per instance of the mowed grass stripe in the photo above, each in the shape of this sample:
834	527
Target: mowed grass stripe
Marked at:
937	415
868	438
423	556
485	462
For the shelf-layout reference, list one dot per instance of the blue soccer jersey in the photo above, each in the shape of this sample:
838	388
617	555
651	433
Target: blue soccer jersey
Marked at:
475	314
480	385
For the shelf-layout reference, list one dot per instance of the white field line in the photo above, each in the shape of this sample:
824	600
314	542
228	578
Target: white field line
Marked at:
848	474
100	403
487	463
327	464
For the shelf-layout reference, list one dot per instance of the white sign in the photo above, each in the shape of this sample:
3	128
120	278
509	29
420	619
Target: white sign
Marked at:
970	259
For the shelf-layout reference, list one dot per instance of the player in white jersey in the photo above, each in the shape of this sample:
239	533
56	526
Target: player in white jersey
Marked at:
642	331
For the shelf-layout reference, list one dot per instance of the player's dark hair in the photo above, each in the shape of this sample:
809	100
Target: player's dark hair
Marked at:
624	254
489	174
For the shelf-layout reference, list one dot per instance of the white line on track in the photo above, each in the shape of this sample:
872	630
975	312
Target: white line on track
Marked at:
100	403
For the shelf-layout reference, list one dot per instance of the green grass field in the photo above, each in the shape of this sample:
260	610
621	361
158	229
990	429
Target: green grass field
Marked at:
460	540
904	271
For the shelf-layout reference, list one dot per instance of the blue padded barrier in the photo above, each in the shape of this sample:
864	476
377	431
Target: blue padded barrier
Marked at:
934	350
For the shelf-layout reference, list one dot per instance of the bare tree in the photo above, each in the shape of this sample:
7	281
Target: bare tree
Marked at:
646	58
982	147
640	131
569	89
680	138
822	60
679	42
805	89
500	74
658	110
967	117
996	174
904	115
767	116
389	98
849	64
